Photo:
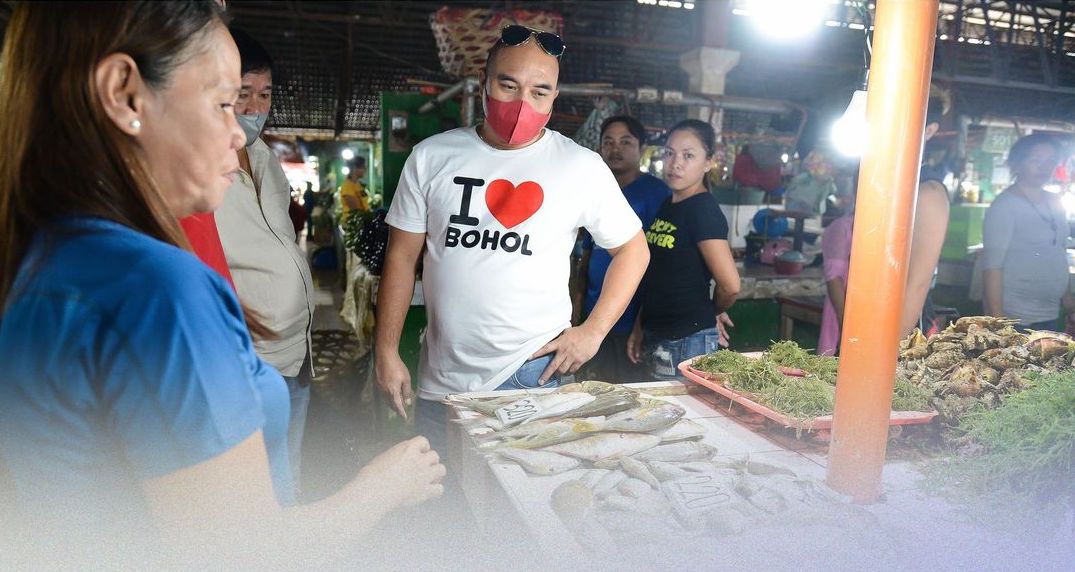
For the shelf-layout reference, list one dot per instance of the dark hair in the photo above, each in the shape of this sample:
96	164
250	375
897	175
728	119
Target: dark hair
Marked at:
490	58
702	130
934	110
1022	148
62	154
254	56
360	162
633	125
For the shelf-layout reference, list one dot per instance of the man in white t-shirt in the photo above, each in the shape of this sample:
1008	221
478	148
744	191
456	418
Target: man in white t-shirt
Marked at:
497	209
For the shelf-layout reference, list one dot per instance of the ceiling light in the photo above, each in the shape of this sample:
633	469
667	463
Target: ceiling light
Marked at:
787	19
347	154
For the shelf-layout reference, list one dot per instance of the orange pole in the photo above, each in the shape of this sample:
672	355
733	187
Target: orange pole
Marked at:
888	188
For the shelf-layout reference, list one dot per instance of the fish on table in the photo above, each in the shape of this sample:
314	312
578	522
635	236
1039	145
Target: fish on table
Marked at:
646	419
608	403
544	433
678	452
682	430
539	462
607	446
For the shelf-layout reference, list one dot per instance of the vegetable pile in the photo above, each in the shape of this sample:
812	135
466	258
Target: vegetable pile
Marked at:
805	394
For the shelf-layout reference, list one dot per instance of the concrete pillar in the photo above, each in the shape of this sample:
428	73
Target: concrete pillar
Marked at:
708	67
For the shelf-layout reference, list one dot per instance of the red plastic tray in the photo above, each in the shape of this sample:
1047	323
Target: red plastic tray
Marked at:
817	423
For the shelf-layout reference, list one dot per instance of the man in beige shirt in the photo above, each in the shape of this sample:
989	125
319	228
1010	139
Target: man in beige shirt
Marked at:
270	272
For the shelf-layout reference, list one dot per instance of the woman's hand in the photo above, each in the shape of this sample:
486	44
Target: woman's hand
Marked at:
406	475
634	343
723	323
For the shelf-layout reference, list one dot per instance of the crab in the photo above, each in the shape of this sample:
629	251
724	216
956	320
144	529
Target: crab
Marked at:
944	360
1011	380
947	335
991	323
1012	337
969	379
1006	358
963	379
914	346
943	346
978	337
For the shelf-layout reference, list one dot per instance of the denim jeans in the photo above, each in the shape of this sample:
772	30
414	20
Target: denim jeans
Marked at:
663	356
300	403
431	417
527	376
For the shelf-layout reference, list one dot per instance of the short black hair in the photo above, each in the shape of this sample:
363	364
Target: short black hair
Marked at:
934	110
490	57
633	125
253	55
702	130
360	162
1022	148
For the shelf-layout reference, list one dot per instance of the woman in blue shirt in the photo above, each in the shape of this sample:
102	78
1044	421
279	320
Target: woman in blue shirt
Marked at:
130	396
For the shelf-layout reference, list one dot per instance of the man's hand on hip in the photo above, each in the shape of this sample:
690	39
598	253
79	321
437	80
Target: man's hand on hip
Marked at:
573	348
394	379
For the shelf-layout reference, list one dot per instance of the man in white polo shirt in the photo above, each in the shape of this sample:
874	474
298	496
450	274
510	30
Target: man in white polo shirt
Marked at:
497	209
271	274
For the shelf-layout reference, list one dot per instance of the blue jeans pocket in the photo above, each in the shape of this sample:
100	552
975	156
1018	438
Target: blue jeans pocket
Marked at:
527	376
661	357
664	356
712	343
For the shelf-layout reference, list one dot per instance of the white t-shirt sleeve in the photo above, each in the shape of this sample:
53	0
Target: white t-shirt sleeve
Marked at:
408	209
608	218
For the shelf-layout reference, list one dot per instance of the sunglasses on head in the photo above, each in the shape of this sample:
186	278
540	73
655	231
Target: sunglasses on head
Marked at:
516	35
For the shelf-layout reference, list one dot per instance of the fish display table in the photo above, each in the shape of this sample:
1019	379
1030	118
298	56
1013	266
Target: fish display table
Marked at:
501	494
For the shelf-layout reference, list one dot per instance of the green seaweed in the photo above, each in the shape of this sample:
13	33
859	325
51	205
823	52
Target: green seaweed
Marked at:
907	396
1024	448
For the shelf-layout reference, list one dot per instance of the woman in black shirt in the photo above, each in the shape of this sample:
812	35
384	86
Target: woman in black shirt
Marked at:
688	244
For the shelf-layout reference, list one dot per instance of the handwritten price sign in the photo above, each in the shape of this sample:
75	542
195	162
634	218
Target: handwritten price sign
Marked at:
518	411
692	497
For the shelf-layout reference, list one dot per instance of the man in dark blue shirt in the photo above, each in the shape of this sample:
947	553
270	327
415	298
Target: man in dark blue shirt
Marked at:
622	139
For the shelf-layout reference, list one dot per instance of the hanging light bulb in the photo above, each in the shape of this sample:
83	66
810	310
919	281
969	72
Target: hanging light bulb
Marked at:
347	154
346	171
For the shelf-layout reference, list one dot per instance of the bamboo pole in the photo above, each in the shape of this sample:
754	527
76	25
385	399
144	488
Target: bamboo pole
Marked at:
888	187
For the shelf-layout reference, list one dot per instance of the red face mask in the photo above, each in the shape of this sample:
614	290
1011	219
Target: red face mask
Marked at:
514	121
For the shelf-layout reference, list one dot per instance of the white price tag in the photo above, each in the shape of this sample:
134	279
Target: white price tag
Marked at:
518	411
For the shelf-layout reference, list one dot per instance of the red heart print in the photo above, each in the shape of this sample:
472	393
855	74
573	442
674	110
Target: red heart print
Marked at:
512	204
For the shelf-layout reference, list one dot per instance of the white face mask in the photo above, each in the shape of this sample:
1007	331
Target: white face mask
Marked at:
252	125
